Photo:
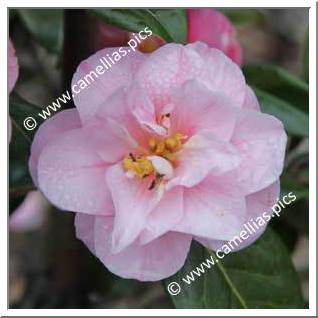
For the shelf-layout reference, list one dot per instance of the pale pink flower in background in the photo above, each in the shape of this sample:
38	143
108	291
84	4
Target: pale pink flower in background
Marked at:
162	149
30	214
13	67
13	73
206	25
109	36
216	30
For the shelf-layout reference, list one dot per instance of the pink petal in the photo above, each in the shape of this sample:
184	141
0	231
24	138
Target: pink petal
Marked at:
261	141
203	154
220	73
13	67
29	216
110	140
171	65
213	209
165	216
198	108
250	101
133	201
144	112
102	86
84	227
164	70
162	166
157	260
216	30
72	175
51	130
256	204
131	108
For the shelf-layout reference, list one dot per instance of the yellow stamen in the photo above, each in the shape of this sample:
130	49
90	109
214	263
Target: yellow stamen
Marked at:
141	166
160	148
166	148
152	144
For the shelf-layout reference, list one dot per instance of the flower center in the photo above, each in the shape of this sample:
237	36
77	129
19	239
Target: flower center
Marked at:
167	148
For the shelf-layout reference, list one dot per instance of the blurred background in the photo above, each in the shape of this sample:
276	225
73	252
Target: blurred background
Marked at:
49	267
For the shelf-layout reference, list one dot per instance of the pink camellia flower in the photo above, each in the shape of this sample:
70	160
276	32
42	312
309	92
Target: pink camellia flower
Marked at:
163	148
216	30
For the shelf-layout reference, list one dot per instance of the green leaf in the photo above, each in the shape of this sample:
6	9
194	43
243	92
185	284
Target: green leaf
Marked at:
46	25
261	276
278	82
296	122
170	24
305	57
244	17
20	141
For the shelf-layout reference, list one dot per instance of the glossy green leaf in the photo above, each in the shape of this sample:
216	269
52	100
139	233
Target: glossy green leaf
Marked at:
241	17
46	26
296	122
305	57
21	139
261	276
170	24
280	83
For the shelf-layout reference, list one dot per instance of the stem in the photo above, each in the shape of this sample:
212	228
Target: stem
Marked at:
229	282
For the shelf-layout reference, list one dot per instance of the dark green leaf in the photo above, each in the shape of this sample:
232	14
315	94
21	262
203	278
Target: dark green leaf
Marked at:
278	82
20	142
168	24
296	122
305	57
261	276
175	21
46	25
241	17
289	184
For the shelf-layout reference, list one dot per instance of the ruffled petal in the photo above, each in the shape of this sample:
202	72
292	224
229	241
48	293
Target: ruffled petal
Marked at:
157	260
258	207
202	155
51	130
250	100
213	209
261	141
84	227
198	108
71	175
219	73
133	201
97	88
171	65
165	216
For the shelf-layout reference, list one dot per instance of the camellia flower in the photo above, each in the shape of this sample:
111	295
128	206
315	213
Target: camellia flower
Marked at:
216	30
163	148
